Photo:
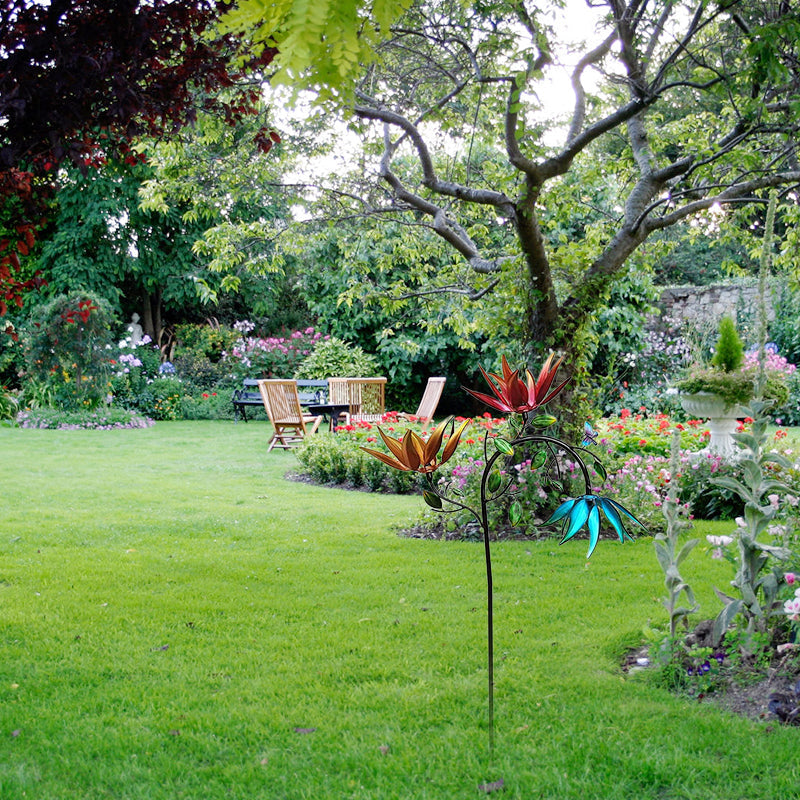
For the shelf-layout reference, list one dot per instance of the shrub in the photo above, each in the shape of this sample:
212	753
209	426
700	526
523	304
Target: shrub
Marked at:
12	361
203	375
67	346
643	434
167	394
207	405
784	330
210	342
789	414
339	460
136	366
334	358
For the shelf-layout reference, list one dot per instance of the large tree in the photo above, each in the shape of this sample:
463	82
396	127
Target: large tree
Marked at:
676	107
100	239
77	75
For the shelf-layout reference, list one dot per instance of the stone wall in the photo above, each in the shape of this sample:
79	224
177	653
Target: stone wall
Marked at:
706	305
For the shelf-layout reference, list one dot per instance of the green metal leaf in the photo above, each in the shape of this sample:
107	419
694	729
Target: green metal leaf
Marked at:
515	513
432	499
495	481
543	421
504	446
539	460
600	470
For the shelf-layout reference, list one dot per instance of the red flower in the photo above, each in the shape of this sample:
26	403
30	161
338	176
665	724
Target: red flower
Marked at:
512	394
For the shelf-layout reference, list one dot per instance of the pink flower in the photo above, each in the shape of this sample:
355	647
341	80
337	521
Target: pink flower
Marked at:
790	578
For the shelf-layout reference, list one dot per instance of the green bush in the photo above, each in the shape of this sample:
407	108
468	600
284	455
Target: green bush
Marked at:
334	358
202	374
135	368
12	361
790	413
167	395
207	405
784	330
340	460
207	341
634	450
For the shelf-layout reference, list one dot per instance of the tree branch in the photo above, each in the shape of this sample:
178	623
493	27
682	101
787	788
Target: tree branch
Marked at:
592	57
737	193
430	180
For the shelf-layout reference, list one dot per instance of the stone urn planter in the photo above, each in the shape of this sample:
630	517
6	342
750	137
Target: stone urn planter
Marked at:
722	421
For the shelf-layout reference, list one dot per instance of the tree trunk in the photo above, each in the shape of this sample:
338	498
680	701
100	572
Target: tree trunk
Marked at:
157	327
147	317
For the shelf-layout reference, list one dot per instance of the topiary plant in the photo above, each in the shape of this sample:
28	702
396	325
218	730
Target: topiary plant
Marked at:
725	377
729	353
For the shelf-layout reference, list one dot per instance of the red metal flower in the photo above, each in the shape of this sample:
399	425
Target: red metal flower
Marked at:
512	394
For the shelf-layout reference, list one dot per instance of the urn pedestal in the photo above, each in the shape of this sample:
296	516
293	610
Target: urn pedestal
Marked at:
722	422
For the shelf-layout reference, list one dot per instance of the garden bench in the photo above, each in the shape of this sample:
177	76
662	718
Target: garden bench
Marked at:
308	391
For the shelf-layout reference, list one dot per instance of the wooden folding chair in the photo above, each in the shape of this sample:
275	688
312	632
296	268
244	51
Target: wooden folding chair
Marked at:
289	424
430	401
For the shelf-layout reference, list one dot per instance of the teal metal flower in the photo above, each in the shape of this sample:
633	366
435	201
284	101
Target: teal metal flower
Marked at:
585	510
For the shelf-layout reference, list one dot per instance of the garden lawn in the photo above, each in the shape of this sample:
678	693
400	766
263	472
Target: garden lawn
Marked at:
179	621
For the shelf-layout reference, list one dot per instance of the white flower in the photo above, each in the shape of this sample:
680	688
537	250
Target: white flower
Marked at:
792	608
719	541
740	523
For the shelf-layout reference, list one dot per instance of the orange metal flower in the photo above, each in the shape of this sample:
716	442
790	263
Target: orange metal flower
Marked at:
413	454
512	394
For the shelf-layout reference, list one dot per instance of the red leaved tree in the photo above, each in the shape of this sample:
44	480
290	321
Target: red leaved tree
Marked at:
80	77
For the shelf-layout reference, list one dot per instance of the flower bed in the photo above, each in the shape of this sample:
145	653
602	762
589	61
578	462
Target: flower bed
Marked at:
99	419
634	448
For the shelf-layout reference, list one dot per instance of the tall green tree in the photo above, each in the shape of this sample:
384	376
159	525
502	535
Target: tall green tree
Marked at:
101	240
676	107
228	186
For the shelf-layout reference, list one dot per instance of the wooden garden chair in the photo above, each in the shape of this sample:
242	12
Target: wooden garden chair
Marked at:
289	424
429	403
365	397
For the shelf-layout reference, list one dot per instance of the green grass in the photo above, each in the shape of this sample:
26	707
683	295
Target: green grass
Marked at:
172	611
